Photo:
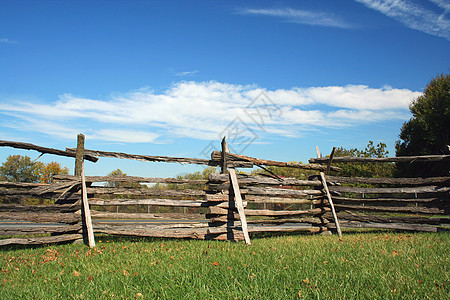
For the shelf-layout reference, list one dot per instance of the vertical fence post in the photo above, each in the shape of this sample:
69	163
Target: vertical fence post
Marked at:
86	222
235	192
325	186
79	155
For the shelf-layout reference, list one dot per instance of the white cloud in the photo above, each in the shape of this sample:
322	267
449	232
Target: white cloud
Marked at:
186	73
313	18
202	110
414	15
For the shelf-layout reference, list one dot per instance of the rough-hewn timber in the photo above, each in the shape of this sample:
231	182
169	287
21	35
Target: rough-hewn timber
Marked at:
411	159
43	150
41	240
233	158
400	190
41	230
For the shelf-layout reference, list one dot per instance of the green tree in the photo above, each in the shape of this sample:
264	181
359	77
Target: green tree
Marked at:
286	172
367	169
428	131
51	169
19	168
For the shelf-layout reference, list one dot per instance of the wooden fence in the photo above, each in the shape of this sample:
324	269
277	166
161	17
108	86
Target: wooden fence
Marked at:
416	204
227	206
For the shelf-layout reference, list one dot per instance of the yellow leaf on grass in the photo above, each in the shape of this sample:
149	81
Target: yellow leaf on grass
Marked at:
76	273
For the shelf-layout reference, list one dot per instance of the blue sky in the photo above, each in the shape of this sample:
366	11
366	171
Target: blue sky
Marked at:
171	77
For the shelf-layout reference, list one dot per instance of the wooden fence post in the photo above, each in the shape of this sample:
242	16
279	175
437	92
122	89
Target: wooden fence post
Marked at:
330	200
87	213
236	192
79	155
86	222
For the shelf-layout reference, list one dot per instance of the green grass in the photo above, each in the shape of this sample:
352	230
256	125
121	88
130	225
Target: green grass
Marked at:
378	265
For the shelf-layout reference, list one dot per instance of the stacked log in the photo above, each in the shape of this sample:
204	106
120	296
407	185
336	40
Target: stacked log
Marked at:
284	195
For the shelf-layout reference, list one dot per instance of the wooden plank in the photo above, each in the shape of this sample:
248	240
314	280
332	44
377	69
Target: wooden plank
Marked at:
262	199
349	159
86	212
216	156
193	233
330	201
8	184
224	160
145	192
131	179
214	210
40	240
330	161
389	219
161	202
167	216
409	227
219	197
41	230
28	146
400	190
66	208
239	204
268	191
67	218
409	209
386	200
262	180
438	181
280	228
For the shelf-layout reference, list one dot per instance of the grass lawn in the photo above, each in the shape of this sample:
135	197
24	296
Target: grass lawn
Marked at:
376	265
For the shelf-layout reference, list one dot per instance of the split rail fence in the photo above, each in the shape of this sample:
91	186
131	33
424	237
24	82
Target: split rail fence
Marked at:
416	204
227	206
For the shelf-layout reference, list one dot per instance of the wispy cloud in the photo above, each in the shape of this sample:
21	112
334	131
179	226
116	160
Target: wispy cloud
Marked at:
8	41
313	18
201	110
414	15
186	73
